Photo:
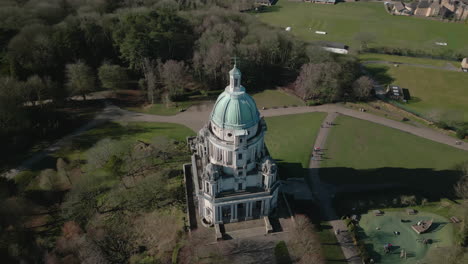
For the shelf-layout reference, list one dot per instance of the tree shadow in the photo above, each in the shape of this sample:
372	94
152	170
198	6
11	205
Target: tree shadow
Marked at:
114	131
380	74
268	9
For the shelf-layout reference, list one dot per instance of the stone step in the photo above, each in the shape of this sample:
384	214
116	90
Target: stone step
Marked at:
245	233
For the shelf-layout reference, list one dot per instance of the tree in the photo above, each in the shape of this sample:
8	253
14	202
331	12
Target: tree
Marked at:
112	77
461	188
364	38
362	88
320	81
62	169
80	79
154	34
148	67
37	88
173	76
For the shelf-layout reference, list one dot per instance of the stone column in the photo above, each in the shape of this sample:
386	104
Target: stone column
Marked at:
232	212
235	212
261	208
249	211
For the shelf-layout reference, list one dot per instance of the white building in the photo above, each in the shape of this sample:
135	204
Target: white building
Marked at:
233	176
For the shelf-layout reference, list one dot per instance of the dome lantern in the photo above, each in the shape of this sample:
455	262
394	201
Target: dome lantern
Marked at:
234	79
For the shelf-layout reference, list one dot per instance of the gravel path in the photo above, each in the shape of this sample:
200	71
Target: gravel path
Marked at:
197	116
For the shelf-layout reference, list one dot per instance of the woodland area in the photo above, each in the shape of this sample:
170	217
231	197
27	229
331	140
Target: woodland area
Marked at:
51	50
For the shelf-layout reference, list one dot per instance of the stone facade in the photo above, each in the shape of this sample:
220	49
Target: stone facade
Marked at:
234	177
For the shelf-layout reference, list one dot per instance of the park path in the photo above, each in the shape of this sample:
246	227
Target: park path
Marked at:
197	116
323	194
447	67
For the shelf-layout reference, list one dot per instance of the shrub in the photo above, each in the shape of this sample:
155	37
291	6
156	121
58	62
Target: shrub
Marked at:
282	253
462	132
442	124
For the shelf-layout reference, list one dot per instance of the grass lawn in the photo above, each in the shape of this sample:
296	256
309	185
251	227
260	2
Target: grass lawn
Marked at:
361	152
130	132
343	20
405	59
272	98
290	141
434	92
331	249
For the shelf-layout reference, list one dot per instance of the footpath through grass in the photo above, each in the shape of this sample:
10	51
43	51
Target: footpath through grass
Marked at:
344	20
406	59
435	93
290	140
361	152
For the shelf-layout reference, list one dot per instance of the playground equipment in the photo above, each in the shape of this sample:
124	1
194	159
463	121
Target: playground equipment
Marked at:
422	226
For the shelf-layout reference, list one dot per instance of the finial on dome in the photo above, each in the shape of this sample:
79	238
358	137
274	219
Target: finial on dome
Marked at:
235	78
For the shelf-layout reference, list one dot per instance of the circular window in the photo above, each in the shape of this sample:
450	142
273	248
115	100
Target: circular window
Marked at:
229	135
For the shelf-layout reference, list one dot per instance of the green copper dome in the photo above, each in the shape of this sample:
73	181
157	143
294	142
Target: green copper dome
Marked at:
235	110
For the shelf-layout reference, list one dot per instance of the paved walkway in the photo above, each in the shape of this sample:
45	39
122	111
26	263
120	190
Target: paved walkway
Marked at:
197	116
323	193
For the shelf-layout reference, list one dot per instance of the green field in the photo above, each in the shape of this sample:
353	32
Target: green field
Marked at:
434	92
127	132
378	230
275	98
290	141
405	59
343	20
361	152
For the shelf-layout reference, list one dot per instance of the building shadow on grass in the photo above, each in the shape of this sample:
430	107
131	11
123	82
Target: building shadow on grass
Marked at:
431	183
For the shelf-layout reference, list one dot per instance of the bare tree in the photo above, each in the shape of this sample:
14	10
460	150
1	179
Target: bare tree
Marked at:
151	78
305	246
321	80
362	88
173	76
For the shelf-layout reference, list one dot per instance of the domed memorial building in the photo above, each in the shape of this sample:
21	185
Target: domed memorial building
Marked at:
234	177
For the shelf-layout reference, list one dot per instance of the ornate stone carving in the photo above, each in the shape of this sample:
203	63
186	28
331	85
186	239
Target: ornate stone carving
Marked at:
212	172
268	166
